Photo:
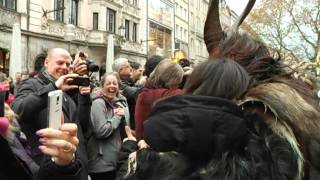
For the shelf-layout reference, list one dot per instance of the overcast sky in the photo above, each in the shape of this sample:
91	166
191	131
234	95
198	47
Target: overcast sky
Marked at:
239	5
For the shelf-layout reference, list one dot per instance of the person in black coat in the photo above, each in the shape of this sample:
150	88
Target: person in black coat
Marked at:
31	103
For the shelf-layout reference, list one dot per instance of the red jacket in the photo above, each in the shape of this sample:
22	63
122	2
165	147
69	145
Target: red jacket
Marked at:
145	103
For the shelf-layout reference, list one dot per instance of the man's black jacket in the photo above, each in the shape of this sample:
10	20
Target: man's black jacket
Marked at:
31	105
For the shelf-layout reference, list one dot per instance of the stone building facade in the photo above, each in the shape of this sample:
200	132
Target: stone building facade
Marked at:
141	28
43	27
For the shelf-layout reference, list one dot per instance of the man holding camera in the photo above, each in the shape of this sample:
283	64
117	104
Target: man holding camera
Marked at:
31	103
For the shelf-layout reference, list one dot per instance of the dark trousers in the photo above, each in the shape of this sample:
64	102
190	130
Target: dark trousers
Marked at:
103	176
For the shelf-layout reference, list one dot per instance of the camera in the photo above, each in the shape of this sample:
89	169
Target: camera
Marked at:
91	65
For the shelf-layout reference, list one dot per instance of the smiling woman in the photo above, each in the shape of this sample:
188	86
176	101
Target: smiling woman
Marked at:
109	114
110	85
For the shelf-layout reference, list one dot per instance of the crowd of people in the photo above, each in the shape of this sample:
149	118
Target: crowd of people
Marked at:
239	115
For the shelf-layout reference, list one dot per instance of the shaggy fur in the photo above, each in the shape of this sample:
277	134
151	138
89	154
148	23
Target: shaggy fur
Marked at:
293	119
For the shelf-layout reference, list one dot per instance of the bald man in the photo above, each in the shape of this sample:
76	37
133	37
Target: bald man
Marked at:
31	103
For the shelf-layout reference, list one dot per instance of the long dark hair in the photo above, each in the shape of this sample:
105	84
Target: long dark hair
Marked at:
221	77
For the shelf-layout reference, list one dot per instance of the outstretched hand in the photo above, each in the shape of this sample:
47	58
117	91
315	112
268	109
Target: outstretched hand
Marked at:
142	144
59	144
129	134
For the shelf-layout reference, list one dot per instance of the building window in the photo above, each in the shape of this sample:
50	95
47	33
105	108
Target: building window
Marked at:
135	3
127	28
4	60
191	17
199	47
176	30
111	20
59	9
185	14
95	21
10	4
134	32
160	40
74	12
177	9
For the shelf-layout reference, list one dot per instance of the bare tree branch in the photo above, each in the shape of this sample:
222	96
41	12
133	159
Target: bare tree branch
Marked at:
290	26
302	34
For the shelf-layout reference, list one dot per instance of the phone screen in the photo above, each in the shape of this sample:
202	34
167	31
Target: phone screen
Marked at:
55	109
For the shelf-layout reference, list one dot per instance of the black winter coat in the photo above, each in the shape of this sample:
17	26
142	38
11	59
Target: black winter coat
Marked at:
31	105
199	126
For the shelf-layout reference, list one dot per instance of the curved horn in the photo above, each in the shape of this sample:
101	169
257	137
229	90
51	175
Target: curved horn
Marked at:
243	15
213	32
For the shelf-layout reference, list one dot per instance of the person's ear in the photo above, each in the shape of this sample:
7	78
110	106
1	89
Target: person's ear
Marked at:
46	62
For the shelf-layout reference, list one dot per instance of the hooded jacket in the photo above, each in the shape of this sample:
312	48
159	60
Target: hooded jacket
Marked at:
104	140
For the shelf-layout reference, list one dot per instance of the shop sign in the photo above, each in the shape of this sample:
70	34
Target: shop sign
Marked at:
57	29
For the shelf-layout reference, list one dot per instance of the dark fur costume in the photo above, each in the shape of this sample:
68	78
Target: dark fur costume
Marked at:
287	104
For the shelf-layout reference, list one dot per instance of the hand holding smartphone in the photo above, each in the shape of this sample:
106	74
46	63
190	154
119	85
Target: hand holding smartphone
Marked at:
81	81
55	119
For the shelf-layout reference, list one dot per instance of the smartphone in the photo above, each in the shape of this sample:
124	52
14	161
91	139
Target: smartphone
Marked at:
81	81
55	109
